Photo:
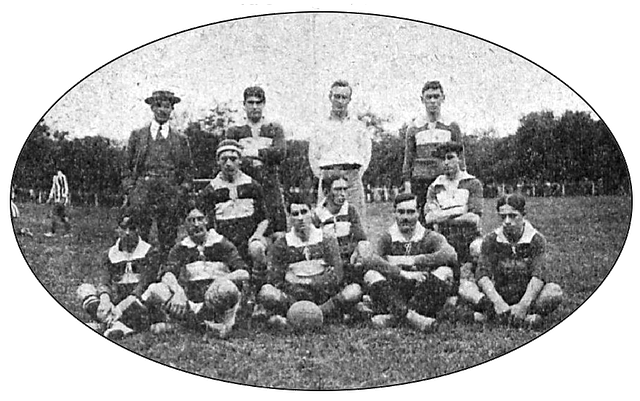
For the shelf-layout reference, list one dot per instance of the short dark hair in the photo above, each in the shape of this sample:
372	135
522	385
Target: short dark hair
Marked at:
449	147
515	200
329	179
297	199
254	91
404	197
341	83
432	85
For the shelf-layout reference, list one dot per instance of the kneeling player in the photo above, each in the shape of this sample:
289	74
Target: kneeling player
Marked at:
129	267
412	275
511	271
201	279
306	265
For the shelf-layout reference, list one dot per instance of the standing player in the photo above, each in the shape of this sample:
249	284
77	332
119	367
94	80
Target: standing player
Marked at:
341	143
158	172
420	166
264	149
512	268
59	195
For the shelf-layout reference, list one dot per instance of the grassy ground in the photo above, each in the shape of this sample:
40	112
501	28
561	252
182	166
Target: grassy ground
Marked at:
585	237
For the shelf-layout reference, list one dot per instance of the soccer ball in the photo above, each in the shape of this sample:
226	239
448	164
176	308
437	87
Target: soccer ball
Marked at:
304	315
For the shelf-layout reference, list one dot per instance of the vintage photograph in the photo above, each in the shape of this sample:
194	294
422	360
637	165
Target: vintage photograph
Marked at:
320	201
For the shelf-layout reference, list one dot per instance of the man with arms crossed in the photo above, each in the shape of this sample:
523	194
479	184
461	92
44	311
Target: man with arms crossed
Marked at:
411	275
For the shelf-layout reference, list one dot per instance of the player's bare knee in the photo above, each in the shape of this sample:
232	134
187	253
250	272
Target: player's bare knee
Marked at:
444	273
469	291
372	276
86	290
269	294
257	250
238	276
352	293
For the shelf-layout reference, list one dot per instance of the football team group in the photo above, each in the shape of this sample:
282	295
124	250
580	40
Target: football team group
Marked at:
249	255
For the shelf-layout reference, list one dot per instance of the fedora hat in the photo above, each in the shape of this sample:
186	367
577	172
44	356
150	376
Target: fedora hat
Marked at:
157	96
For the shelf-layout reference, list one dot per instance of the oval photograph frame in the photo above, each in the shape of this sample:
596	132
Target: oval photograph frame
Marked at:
47	281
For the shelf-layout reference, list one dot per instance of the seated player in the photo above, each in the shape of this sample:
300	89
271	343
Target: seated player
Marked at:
411	276
201	281
235	204
306	265
512	268
454	203
127	270
339	218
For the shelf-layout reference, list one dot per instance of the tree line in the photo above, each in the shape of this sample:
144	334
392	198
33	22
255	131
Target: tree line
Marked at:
571	149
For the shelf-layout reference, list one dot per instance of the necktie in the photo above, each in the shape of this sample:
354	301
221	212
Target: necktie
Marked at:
159	133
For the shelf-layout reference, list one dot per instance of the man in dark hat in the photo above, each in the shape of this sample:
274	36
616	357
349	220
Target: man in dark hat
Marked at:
158	172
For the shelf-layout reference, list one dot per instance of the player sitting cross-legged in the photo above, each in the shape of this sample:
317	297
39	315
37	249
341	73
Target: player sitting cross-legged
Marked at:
512	268
411	275
127	269
306	265
201	280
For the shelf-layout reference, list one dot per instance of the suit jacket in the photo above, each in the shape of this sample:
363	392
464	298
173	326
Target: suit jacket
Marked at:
137	150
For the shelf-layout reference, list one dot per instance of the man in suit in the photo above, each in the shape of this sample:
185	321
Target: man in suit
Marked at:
158	172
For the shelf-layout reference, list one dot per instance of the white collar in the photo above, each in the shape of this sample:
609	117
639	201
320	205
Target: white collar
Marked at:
263	121
527	235
241	179
324	213
117	255
443	179
212	238
164	129
397	236
315	237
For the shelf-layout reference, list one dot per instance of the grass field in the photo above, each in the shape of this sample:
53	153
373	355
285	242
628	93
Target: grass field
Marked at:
585	237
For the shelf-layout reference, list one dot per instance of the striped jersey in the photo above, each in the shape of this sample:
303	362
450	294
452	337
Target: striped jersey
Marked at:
59	189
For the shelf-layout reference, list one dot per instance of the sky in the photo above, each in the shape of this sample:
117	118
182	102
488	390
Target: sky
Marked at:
295	58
